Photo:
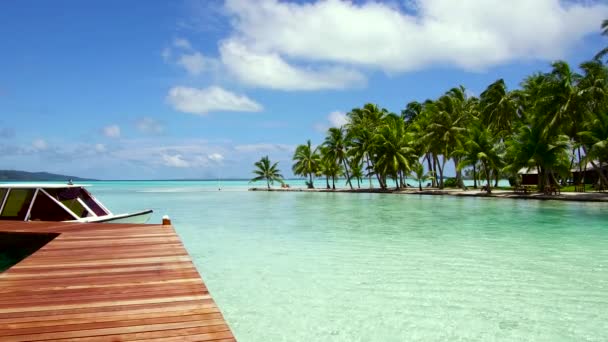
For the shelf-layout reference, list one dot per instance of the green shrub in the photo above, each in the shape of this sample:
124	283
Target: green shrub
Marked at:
450	183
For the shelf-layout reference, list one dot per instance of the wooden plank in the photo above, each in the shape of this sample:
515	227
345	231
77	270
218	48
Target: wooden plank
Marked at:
100	282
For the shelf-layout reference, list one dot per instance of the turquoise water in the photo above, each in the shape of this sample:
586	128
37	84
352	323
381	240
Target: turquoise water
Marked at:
372	267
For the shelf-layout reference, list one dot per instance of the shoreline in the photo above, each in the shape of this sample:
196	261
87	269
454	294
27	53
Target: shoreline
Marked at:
564	196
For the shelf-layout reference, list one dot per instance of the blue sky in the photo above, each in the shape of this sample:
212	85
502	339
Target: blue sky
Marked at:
190	89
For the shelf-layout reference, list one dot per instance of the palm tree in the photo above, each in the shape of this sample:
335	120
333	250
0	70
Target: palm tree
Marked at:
356	172
307	162
481	146
499	108
532	148
335	149
595	142
449	116
330	169
419	175
267	172
395	155
603	52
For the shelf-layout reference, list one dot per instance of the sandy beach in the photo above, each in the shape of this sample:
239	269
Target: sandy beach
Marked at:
564	196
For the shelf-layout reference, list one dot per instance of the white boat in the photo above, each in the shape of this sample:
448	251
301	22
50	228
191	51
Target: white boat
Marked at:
58	202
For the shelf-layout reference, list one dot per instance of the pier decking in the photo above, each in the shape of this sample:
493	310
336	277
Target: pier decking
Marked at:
106	282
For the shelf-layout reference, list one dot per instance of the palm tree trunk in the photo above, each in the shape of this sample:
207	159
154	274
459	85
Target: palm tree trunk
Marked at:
369	175
603	180
458	173
434	180
311	185
327	181
347	174
580	168
333	182
428	162
441	166
358	183
268	183
474	176
419	184
488	177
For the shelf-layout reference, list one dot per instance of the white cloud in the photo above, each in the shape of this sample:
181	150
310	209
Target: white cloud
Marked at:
149	125
40	144
100	148
216	157
337	119
270	70
334	119
196	63
175	160
182	43
112	131
211	99
469	34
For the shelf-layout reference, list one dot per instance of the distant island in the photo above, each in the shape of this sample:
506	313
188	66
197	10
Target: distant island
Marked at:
15	175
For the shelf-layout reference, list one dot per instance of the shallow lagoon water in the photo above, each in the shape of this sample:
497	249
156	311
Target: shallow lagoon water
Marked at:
376	267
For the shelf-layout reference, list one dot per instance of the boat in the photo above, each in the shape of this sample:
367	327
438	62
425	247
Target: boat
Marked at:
59	202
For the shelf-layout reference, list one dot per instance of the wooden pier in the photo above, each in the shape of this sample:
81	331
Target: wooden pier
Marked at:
106	282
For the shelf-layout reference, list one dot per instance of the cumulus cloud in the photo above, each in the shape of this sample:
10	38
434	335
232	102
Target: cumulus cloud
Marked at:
470	34
112	131
216	157
211	99
40	144
270	70
175	160
337	119
195	63
334	119
100	148
182	43
149	125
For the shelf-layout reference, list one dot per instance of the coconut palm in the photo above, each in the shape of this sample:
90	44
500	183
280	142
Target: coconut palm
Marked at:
595	142
482	147
265	171
531	148
449	116
356	172
307	162
419	175
335	149
330	169
395	154
499	108
603	52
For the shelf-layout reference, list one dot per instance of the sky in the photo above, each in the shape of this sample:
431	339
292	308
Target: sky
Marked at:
202	89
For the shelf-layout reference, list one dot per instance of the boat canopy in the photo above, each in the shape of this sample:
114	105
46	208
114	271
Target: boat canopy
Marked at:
45	202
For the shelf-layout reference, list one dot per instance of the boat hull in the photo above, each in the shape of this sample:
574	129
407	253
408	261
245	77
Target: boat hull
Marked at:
138	217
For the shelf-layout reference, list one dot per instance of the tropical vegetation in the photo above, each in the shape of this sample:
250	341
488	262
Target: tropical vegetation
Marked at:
266	171
555	123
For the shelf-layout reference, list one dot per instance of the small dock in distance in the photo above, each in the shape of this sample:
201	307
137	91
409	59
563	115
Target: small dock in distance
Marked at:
106	282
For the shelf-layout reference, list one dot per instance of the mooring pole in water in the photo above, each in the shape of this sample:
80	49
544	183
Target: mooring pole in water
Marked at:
166	220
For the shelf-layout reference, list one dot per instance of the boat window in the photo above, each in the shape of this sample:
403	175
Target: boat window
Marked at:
69	198
87	198
17	204
45	209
